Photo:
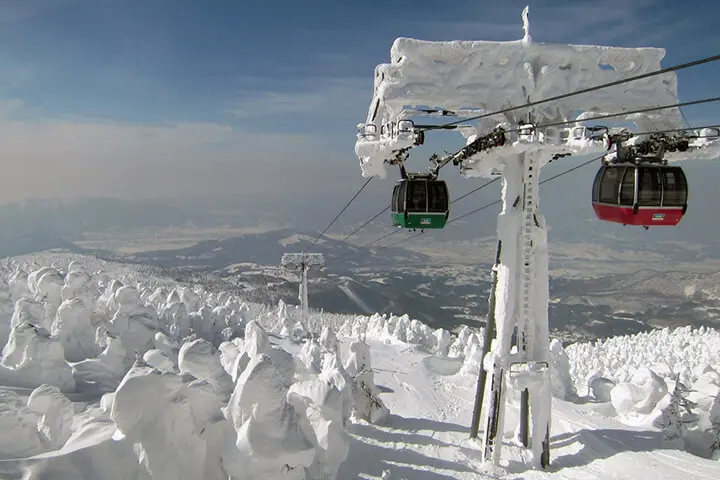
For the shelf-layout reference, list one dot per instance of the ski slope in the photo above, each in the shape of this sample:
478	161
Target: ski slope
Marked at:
427	437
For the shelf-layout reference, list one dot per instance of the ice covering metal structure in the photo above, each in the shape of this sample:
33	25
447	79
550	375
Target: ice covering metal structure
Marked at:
302	262
473	78
479	77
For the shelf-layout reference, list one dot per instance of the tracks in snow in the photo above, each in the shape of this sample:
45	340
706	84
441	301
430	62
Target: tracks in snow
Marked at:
427	435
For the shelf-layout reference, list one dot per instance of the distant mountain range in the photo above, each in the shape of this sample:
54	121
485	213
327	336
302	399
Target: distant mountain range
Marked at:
396	280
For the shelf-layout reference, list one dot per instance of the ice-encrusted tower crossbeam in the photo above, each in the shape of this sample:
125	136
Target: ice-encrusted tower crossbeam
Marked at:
479	78
301	263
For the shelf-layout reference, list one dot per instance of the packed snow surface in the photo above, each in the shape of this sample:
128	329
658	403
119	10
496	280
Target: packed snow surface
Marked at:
181	383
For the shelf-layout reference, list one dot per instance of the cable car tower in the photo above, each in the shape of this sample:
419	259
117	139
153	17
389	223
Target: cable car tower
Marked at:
500	87
302	263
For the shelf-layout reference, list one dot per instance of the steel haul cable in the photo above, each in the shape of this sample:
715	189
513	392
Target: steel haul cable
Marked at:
338	215
493	203
447	159
360	227
630	112
555	124
488	205
532	104
496	202
589	89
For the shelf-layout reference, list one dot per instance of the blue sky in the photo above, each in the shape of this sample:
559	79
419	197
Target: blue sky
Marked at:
194	86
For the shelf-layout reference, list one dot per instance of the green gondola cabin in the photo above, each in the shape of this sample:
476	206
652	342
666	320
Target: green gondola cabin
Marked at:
420	204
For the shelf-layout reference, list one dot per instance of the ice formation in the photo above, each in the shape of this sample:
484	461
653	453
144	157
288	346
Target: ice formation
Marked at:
640	395
35	358
74	329
497	75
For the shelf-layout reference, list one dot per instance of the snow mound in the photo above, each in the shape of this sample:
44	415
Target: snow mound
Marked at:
639	396
394	329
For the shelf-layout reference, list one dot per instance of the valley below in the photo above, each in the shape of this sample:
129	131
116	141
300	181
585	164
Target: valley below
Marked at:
595	291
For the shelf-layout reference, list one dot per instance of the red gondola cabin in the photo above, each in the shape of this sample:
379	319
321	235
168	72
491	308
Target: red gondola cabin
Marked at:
645	195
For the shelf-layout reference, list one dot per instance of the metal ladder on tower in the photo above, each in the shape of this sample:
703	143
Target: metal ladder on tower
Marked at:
527	269
527	278
524	304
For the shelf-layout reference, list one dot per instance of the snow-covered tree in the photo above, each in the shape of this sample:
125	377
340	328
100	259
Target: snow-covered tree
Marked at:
366	401
715	428
677	416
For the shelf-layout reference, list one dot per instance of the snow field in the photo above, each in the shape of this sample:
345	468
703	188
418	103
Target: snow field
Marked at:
195	384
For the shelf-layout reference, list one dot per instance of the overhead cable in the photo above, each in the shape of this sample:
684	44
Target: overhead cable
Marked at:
590	89
338	215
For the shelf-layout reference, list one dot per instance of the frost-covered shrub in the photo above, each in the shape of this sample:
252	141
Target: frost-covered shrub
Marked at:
311	356
132	322
676	418
27	312
319	405
473	358
457	349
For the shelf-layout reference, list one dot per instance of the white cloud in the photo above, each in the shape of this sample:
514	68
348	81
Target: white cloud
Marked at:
327	97
67	159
